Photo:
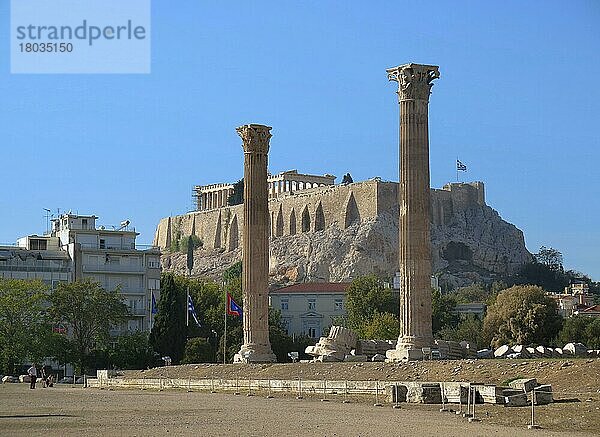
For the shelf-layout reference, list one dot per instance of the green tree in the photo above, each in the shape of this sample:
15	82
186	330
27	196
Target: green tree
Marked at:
89	312
469	329
383	326
198	350
22	321
521	315
367	297
550	257
443	312
132	351
169	333
237	197
581	329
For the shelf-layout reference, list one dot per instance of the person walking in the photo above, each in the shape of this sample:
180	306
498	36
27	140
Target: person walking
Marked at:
32	372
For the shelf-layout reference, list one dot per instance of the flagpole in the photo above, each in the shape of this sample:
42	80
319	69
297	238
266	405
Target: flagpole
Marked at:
187	307
225	334
457	169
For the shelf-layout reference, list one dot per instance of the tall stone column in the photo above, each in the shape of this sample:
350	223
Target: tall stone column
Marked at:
414	88
255	249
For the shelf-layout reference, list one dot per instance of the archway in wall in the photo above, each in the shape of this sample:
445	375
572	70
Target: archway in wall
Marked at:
293	222
352	213
305	219
279	223
319	218
233	234
217	244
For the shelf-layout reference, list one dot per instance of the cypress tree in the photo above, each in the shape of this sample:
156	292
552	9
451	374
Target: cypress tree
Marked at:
168	336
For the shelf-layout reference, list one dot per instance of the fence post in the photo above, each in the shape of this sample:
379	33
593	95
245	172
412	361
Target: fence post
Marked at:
324	392
377	404
473	418
345	401
249	387
299	389
533	425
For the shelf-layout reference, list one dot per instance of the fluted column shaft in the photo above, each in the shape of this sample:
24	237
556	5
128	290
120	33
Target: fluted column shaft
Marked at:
415	246
414	88
255	249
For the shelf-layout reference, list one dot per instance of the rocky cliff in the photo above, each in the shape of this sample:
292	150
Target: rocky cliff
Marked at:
470	242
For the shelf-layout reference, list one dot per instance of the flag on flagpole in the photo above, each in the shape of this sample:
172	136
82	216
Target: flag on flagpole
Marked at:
193	311
460	166
233	309
154	306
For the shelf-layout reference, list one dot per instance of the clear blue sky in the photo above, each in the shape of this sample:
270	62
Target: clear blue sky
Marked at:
518	101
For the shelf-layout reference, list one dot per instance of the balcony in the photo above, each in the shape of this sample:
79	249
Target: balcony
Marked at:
138	311
122	247
114	268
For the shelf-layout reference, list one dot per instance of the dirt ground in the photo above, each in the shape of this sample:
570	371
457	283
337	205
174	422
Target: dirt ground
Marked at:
67	411
575	382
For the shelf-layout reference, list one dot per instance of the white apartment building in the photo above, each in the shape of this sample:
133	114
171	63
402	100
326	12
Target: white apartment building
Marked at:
110	257
36	257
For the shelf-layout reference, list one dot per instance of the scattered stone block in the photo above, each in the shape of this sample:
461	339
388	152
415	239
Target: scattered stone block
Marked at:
557	352
524	384
355	358
520	349
502	351
338	343
378	358
485	354
533	353
25	378
489	394
543	395
514	356
575	349
396	393
514	398
9	379
424	393
544	351
454	392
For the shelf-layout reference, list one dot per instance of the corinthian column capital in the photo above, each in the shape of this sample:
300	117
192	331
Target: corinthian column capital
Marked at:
414	80
255	138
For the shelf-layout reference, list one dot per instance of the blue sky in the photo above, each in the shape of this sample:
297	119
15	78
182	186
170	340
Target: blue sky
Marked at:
518	101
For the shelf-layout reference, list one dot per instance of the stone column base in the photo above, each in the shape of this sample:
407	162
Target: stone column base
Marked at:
403	354
251	354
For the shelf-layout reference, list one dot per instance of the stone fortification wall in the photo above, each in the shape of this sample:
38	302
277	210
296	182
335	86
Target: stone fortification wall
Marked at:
337	233
313	210
290	214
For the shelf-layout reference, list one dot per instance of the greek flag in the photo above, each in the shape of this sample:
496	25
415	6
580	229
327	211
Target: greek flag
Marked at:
193	311
460	166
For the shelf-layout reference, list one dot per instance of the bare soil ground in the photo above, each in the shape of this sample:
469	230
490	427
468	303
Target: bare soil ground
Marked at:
576	383
67	411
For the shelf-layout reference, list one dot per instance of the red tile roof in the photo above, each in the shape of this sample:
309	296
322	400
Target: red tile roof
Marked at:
595	308
314	287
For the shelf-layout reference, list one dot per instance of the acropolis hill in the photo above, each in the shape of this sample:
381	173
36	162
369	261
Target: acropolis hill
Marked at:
338	232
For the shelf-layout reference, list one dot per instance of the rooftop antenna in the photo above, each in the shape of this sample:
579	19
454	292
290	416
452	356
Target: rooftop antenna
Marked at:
47	220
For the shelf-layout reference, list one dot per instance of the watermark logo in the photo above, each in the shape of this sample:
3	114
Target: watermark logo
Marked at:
80	36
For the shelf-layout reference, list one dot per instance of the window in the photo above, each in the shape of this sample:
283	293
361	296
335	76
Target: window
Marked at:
285	304
153	263
35	244
312	332
312	304
84	223
154	284
338	304
102	243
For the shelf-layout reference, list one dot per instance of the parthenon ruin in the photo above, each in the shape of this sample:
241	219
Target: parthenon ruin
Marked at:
214	196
